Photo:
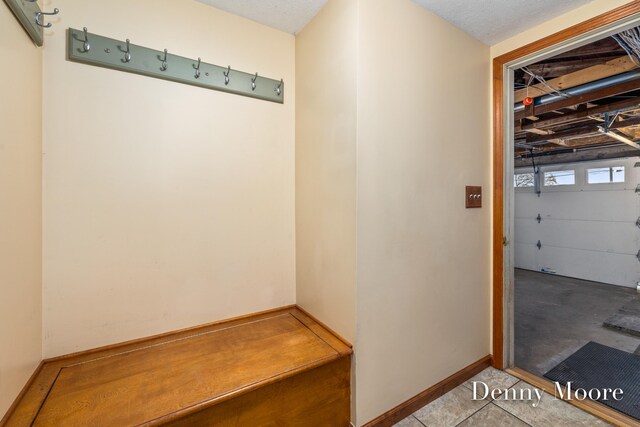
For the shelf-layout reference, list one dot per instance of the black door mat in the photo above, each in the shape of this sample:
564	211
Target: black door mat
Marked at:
627	319
597	366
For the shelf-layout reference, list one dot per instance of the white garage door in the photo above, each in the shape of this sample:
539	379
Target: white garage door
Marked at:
587	221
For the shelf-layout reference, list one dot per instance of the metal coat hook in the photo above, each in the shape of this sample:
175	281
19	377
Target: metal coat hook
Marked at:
39	15
164	65
85	43
226	75
253	82
127	53
197	74
278	88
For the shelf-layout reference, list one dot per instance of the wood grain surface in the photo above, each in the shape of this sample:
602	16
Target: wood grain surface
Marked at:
203	374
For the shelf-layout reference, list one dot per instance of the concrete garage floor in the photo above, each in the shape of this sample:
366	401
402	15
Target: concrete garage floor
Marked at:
555	316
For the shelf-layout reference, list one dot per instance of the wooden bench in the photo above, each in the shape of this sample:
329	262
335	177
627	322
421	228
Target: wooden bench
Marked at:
277	368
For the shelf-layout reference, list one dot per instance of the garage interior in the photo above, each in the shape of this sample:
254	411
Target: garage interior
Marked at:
577	208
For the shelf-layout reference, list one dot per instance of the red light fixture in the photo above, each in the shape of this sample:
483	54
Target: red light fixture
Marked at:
527	101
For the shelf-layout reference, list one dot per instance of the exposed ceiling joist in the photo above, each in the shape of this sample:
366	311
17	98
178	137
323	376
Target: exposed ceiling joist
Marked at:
585	142
592	141
563	156
598	48
584	135
606	92
553	71
621	138
579	115
570	133
577	78
634	121
595	108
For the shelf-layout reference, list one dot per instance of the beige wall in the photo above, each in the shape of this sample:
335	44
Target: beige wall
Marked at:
325	166
423	259
165	205
20	208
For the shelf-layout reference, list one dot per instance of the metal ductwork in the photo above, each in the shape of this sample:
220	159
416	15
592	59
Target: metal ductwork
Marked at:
585	88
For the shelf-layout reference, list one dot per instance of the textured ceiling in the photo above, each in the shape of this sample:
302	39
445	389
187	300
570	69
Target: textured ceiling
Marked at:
489	21
492	21
287	15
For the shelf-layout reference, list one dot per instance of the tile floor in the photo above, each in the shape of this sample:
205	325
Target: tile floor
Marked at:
457	408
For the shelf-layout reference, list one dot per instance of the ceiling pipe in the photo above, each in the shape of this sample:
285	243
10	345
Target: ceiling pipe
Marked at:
582	89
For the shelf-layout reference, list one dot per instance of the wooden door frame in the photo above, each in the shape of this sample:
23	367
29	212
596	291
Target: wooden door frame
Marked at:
499	63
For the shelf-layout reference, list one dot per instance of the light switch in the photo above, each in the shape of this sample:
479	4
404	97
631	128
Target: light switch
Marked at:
473	196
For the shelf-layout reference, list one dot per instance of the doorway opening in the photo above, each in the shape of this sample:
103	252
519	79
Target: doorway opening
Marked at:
566	133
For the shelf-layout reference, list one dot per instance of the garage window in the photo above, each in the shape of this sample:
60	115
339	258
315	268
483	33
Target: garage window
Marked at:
558	178
605	175
523	180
